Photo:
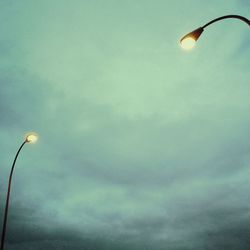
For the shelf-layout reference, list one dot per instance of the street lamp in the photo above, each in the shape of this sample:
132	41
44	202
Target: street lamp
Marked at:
30	138
188	41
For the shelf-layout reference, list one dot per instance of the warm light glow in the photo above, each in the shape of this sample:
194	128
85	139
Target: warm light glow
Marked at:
32	138
188	43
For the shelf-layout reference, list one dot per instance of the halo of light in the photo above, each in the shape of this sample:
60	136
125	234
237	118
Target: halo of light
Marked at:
31	138
188	43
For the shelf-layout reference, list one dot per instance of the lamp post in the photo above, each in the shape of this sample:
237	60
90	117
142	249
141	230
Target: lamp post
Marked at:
188	41
30	138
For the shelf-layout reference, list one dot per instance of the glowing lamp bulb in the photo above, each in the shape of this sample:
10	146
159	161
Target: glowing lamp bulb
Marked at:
189	40
188	43
31	138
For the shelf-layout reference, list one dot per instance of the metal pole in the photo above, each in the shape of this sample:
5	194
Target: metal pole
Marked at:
8	197
242	18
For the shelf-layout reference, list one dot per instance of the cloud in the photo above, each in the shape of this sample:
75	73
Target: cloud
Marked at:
142	145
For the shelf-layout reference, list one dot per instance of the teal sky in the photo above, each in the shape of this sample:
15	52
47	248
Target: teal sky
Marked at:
142	145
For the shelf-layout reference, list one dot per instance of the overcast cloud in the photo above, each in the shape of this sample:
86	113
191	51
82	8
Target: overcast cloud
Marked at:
142	145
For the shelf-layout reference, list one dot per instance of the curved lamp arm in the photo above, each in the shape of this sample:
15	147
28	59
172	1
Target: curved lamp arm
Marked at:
30	138
242	18
8	196
188	41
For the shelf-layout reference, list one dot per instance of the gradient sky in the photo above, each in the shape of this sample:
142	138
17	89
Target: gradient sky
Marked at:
143	145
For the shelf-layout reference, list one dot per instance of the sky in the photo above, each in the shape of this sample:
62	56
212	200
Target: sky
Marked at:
142	145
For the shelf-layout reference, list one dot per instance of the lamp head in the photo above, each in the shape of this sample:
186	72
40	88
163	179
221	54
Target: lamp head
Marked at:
189	40
31	138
